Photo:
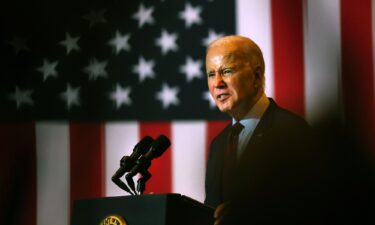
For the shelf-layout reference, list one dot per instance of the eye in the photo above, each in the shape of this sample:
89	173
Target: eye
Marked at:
210	74
227	72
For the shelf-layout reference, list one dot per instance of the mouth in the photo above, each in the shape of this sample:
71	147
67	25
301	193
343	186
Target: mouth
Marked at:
222	97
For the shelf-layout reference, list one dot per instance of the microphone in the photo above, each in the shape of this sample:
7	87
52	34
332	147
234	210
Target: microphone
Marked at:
157	148
128	162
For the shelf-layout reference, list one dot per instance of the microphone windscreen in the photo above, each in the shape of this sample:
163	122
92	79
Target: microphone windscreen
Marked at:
143	145
159	146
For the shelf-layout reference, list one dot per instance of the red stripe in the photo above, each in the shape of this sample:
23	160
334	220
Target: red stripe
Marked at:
288	57
357	66
86	161
213	129
161	168
18	174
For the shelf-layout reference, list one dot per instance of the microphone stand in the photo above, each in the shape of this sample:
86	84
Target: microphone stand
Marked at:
122	185
141	183
116	178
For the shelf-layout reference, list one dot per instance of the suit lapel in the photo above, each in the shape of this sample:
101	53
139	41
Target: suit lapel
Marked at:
261	130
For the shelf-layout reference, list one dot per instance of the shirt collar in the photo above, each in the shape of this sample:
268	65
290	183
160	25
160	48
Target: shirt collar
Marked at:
256	112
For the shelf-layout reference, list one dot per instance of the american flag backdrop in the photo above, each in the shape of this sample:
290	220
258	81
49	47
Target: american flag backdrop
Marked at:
83	81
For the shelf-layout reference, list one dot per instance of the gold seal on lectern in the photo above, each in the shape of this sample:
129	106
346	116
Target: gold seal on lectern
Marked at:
113	220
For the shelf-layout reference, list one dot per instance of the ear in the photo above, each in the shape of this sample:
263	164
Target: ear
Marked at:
257	73
258	77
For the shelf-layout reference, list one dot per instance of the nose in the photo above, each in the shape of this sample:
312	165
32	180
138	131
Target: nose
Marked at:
218	81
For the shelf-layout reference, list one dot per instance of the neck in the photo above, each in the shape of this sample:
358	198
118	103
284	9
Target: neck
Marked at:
240	114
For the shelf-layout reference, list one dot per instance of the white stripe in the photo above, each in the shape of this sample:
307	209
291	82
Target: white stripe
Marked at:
188	158
120	139
53	173
322	58
254	21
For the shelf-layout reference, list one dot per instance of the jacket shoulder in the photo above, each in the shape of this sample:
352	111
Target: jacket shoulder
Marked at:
283	118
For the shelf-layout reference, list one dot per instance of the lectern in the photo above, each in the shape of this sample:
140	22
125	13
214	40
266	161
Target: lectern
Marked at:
151	209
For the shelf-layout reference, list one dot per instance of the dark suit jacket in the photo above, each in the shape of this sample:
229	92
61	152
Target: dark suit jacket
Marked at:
278	175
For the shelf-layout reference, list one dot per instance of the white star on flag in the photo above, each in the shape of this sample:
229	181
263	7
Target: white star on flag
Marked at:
70	96
96	69
207	96
167	42
121	96
144	69
212	35
48	69
191	68
19	44
95	17
144	15
120	42
168	96
22	97
70	43
191	15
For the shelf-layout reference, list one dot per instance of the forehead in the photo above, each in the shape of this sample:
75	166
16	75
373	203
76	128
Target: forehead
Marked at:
219	54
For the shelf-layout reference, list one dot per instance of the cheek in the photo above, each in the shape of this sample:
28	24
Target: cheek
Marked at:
242	89
236	87
210	86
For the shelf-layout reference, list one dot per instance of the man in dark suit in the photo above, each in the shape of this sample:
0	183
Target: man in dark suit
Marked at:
271	174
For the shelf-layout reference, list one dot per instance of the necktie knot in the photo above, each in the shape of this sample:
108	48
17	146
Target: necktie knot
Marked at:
236	129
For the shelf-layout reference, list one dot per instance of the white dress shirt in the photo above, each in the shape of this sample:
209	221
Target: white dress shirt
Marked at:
250	121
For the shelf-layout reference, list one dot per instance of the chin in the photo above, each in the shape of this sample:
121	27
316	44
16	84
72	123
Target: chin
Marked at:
224	109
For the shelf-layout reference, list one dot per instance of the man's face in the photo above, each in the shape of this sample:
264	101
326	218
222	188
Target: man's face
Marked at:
231	79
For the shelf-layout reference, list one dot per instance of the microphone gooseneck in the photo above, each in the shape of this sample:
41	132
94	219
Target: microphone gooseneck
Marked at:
128	162
157	148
